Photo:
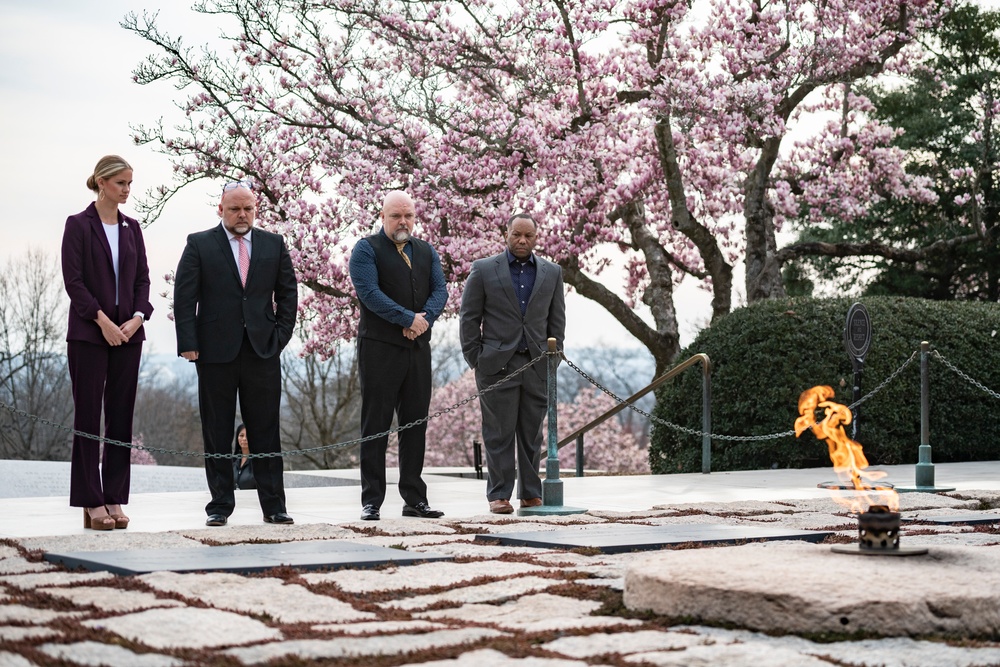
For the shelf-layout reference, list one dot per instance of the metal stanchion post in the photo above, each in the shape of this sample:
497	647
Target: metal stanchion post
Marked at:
477	458
579	456
925	469
552	489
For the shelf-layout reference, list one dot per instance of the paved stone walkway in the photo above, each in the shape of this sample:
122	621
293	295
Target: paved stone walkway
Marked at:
493	606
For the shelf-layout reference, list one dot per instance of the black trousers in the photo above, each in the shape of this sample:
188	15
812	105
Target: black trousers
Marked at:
394	380
257	383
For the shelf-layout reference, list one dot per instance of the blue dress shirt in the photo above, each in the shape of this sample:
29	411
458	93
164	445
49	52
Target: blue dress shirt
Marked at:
364	275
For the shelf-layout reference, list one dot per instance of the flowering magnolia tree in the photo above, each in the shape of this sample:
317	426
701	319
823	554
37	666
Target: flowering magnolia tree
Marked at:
609	447
652	131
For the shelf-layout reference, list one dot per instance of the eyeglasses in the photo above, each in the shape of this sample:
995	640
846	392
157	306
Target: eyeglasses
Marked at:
238	184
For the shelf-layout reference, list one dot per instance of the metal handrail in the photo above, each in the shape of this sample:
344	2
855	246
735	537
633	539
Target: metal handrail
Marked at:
706	411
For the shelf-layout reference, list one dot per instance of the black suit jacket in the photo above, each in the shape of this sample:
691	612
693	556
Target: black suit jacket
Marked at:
212	308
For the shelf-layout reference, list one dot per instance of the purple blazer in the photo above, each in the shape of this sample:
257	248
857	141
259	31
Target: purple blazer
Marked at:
89	275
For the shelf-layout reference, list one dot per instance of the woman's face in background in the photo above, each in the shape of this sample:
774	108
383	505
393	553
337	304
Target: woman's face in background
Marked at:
242	439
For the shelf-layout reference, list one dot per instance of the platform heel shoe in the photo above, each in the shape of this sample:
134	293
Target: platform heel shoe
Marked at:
94	521
115	512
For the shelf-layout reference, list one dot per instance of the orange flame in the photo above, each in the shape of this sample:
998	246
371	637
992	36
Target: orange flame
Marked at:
847	455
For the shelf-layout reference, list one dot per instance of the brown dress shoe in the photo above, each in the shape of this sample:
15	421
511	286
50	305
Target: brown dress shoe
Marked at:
501	507
531	502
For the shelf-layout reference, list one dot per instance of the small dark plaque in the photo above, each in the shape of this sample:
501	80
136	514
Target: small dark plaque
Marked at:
858	334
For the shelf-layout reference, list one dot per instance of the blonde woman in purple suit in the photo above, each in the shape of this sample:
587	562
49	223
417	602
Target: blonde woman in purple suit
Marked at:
107	280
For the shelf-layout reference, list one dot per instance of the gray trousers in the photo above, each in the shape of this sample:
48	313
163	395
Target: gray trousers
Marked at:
512	430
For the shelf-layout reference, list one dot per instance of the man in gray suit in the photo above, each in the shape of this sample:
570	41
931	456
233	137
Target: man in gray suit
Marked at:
513	302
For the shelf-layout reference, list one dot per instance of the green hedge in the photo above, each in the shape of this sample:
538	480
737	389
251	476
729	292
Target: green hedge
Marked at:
765	355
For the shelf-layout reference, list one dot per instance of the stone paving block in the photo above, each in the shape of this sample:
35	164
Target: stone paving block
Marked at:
532	613
512	526
888	652
464	549
7	551
406	541
404	526
620	538
498	590
905	652
685	520
318	649
731	655
234	534
8	659
800	588
982	497
616	583
614	515
16	633
19	613
488	657
286	603
946	517
425	575
948	539
110	599
308	554
19	565
99	655
378	627
108	541
188	627
56	578
803	521
624	643
738	507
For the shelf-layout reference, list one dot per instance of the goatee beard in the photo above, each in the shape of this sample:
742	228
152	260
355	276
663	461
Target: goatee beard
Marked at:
401	236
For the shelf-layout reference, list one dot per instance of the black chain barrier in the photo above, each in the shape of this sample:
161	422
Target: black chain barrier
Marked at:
261	455
463	402
732	438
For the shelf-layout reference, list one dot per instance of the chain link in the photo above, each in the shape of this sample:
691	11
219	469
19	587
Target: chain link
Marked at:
466	401
964	376
262	455
731	438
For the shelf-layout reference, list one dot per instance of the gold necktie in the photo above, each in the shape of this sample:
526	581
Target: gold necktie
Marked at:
399	248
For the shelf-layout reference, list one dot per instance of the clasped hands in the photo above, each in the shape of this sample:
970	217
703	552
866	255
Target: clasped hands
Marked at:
418	327
114	334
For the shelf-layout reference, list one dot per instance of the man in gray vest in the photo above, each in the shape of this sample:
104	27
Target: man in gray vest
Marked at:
513	302
401	287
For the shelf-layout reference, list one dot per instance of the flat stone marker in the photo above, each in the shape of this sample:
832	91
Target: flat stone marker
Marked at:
623	538
796	588
972	518
307	555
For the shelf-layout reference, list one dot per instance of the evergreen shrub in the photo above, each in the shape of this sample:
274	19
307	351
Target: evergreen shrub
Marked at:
764	356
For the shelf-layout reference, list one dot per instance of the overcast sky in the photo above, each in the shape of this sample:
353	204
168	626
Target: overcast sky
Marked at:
67	98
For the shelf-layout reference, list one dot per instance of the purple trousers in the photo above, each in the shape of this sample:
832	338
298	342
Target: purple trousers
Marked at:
103	377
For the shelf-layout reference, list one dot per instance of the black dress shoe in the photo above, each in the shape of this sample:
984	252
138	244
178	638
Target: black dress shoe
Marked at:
370	513
280	517
215	520
422	510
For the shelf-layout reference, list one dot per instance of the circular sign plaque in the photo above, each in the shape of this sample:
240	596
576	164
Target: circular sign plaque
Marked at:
858	332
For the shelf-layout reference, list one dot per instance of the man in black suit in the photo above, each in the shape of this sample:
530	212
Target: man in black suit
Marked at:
235	301
401	287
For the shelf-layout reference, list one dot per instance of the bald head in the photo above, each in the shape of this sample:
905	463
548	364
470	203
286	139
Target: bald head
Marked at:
398	216
238	208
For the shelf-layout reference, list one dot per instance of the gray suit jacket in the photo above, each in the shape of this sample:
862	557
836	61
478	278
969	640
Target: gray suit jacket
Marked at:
491	322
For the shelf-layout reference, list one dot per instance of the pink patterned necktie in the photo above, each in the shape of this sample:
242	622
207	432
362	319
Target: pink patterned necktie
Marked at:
244	260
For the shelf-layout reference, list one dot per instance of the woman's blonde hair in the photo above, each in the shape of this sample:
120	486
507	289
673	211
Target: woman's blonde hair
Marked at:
107	166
